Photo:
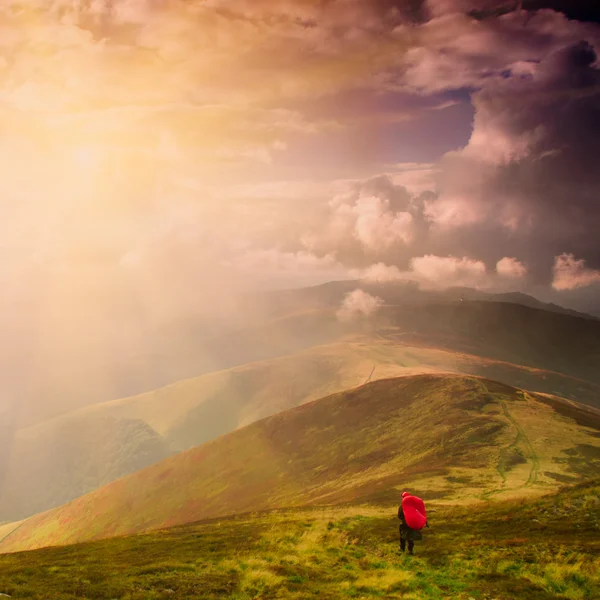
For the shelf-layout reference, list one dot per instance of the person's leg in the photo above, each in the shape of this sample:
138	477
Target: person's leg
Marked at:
402	540
411	545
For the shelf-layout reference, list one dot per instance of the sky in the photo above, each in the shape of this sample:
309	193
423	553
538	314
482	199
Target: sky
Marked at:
160	157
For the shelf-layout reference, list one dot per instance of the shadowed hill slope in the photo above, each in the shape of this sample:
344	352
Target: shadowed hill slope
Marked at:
453	435
508	332
49	466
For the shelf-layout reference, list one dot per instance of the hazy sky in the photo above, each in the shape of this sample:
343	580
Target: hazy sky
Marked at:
161	155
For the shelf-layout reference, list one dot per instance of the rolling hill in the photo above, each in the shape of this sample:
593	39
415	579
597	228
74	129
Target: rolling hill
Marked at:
509	332
66	457
453	436
262	327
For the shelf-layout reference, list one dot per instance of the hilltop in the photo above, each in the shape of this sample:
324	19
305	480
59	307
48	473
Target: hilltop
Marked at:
453	436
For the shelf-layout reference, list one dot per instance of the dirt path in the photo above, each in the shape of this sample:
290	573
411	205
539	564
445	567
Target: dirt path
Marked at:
522	443
370	376
16	528
526	442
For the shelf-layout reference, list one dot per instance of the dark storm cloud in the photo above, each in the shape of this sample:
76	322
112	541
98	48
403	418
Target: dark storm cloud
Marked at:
578	10
529	178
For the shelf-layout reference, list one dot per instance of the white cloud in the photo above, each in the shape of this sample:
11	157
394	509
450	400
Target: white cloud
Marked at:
365	218
511	268
381	273
446	271
358	304
414	177
433	272
570	273
440	272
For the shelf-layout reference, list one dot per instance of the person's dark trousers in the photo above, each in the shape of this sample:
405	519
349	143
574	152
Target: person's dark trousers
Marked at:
411	544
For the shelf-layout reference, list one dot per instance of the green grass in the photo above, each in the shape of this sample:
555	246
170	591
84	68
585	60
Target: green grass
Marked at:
450	436
537	550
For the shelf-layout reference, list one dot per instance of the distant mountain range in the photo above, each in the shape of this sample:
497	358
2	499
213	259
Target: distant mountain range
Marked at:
401	293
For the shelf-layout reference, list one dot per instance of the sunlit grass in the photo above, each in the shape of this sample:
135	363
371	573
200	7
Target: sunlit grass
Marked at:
516	550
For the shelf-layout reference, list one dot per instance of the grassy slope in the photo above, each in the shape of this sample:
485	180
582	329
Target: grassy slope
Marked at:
452	435
61	459
499	551
508	332
196	410
71	455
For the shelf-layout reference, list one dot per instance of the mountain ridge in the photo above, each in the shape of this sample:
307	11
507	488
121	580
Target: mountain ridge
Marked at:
454	435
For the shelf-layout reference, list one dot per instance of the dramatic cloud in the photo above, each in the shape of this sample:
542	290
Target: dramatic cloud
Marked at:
381	273
570	273
528	177
456	50
368	221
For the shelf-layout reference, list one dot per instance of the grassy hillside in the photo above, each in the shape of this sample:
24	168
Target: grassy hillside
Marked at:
196	410
264	326
508	332
453	436
63	458
547	549
60	459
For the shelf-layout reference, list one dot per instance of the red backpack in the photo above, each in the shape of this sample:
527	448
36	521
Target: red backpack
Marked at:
415	514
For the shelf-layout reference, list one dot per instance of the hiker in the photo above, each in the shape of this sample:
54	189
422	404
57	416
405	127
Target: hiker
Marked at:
413	518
